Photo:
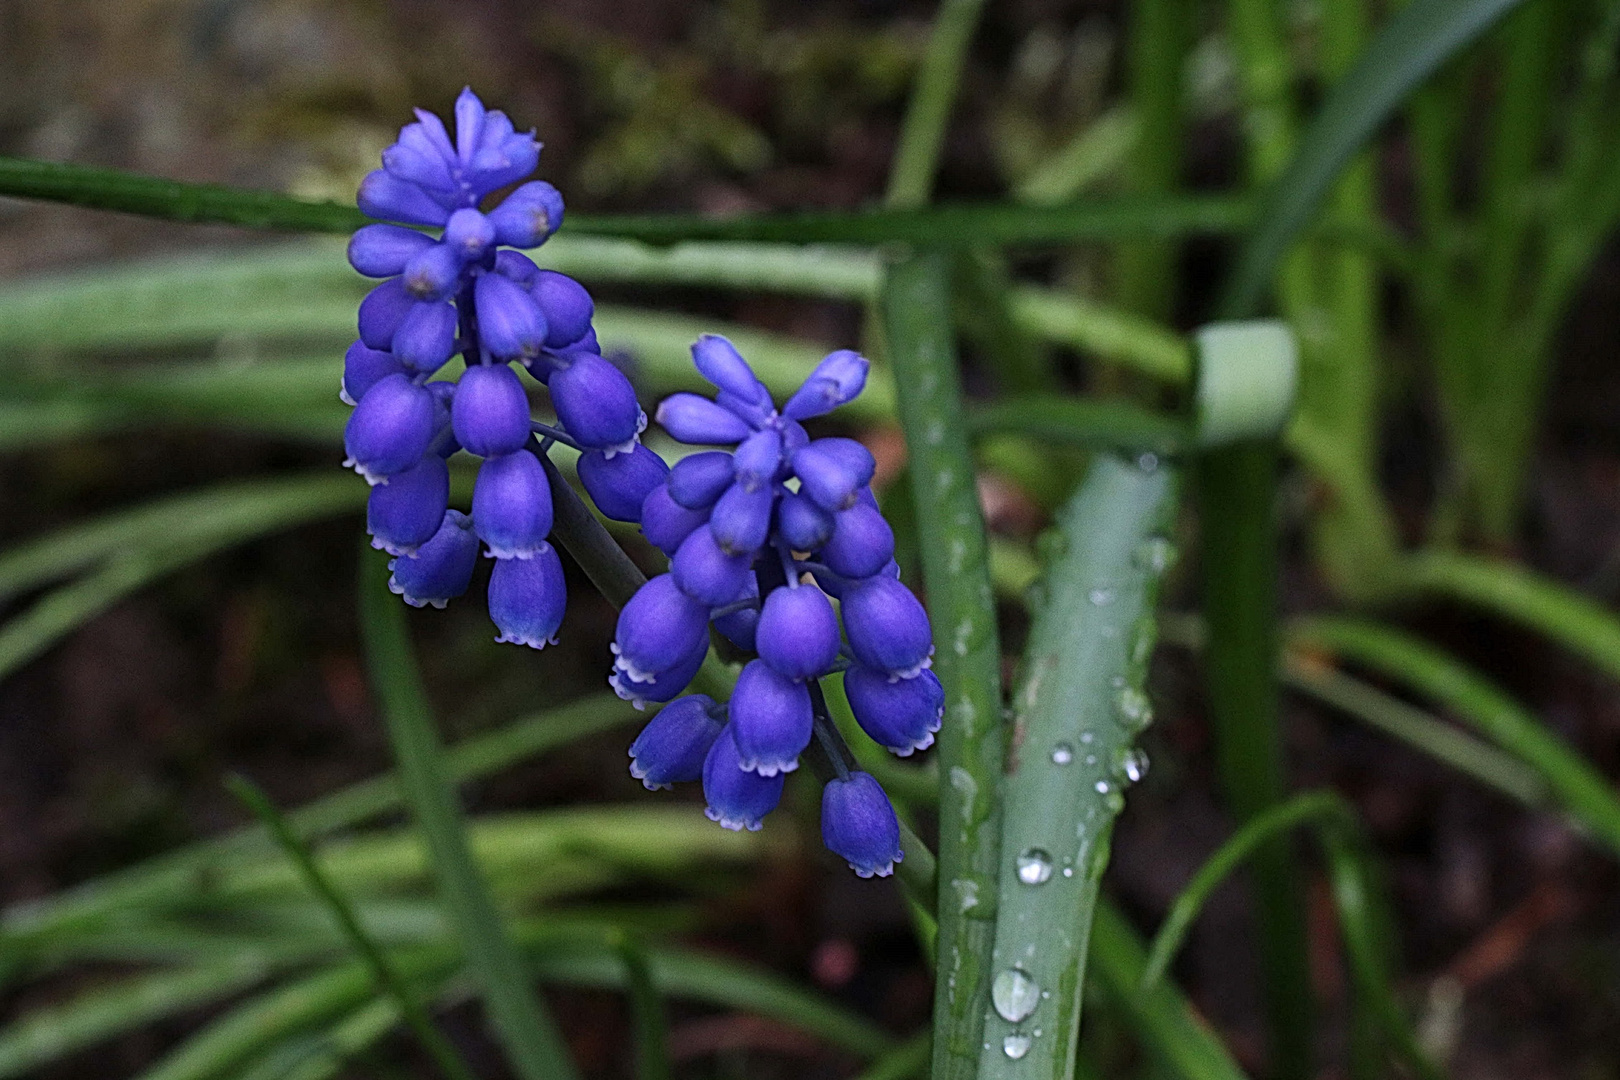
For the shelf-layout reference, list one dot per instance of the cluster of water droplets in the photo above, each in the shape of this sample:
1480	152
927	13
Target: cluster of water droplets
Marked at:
1015	996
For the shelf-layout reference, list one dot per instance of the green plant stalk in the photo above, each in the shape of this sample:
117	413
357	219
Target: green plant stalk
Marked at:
533	1045
1083	422
922	132
968	658
646	1010
1157	41
388	980
1078	710
1583	792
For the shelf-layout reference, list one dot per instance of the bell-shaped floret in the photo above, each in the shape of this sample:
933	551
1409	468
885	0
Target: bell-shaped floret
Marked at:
671	748
619	485
802	524
665	685
660	627
442	568
381	312
385	196
692	419
381	251
510	324
862	543
363	368
527	217
771	719
837	380
707	573
390	429
832	471
469	234
498	154
718	361
758	458
596	403
434	273
491	412
697	480
665	522
567	306
858	824
739	626
426	336
518	267
511	505
741	519
406	512
737	799
901	714
887	626
837	586
798	632
527	598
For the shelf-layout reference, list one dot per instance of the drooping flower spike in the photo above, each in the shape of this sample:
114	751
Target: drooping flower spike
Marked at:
759	536
466	291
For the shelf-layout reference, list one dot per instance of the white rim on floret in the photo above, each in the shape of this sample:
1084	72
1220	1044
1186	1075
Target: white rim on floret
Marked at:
640	773
374	479
767	768
734	824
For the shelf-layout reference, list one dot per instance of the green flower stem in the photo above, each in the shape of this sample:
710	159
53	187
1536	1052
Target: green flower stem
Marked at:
388	980
922	133
586	539
1159	35
533	1045
968	658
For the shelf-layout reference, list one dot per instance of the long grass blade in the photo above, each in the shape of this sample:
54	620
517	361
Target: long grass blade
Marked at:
534	1047
952	541
646	1010
922	132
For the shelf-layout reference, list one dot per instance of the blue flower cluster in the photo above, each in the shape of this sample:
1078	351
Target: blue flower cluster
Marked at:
466	290
759	538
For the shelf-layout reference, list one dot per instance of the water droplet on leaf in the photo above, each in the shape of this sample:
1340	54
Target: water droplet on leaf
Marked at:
1062	754
1016	1045
1014	994
1034	866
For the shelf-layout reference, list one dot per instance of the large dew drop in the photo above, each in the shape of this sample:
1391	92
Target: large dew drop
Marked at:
1016	1045
1034	866
1062	754
1014	994
1133	765
1134	709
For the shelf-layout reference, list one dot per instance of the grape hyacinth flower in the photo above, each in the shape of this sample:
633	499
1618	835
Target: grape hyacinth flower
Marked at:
467	291
760	537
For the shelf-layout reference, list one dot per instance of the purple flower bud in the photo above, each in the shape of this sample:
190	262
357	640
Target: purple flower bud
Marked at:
771	720
527	598
862	542
502	155
858	824
596	403
381	251
737	799
491	411
837	586
363	368
831	471
416	159
469	234
692	419
901	714
426	336
433	273
718	361
801	523
887	626
758	458
469	124
568	307
663	686
510	323
618	485
836	380
665	523
707	573
658	628
511	505
381	312
697	480
527	217
741	519
441	568
739	627
671	748
520	268
798	632
406	512
389	430
383	195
